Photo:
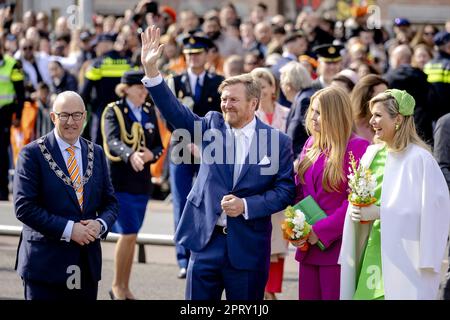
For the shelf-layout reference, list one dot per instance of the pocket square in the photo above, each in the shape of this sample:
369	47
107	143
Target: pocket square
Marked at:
264	161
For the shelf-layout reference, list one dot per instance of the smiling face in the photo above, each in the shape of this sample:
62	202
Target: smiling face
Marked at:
237	109
382	123
68	102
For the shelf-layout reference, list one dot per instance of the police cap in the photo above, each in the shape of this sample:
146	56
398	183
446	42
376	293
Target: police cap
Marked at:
132	77
401	22
329	52
196	44
441	38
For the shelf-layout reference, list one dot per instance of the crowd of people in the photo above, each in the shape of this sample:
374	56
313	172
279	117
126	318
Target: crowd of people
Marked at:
135	84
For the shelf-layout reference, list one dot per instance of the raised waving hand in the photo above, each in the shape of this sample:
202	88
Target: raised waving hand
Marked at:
151	50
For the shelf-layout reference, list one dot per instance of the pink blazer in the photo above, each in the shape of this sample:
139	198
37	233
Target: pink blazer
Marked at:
329	230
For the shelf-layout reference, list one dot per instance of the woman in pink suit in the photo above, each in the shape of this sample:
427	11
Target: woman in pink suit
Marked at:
322	173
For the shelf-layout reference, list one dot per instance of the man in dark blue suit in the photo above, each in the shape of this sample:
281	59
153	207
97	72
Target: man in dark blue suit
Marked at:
64	197
197	89
226	222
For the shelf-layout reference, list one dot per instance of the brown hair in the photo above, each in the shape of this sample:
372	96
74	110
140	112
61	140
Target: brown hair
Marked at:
252	87
361	95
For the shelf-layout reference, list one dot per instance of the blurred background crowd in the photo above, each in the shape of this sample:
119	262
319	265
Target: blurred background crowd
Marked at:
58	51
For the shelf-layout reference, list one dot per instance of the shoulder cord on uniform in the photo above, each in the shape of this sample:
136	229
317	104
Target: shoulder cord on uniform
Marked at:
136	140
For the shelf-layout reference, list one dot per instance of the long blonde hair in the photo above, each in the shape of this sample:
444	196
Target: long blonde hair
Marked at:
406	132
335	131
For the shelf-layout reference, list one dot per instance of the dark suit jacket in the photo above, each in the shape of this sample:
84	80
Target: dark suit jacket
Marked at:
124	178
248	241
44	203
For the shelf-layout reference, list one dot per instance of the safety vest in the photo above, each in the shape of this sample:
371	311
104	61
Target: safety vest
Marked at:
109	68
437	72
7	76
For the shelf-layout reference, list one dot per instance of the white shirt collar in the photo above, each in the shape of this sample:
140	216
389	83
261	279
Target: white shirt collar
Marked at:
64	145
248	130
193	77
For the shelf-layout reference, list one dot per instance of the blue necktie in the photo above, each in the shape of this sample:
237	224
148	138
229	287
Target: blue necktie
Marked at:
198	90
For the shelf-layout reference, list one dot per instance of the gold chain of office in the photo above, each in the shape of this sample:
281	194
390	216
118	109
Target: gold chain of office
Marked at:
135	139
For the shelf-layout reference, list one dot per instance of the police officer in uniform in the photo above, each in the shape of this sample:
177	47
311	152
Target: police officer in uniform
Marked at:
438	72
12	98
330	63
131	143
197	89
101	78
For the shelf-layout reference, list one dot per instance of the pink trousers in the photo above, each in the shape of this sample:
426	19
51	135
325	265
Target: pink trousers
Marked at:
318	282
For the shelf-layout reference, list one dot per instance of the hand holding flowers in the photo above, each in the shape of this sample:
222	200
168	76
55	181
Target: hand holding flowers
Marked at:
364	214
362	189
295	228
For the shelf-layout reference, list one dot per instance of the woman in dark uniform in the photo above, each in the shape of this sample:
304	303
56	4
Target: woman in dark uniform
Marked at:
131	143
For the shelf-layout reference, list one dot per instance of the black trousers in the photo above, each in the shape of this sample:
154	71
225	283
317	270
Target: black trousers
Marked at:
39	290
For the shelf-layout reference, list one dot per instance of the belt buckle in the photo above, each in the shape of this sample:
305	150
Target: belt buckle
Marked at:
224	230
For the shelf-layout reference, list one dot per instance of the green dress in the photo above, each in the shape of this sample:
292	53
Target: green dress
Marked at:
370	278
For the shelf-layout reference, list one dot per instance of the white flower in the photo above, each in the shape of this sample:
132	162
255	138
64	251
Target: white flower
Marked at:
361	183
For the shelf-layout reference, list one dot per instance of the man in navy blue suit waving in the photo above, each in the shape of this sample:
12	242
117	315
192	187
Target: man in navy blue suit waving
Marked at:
226	220
64	197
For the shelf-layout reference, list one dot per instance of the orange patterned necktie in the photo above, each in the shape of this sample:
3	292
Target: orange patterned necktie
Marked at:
74	172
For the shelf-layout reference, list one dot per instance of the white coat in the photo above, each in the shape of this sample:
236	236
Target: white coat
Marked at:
415	222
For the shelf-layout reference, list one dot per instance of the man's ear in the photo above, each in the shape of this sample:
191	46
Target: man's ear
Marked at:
255	102
53	117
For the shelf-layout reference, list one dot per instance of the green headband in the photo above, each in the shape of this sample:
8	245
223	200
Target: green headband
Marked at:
404	100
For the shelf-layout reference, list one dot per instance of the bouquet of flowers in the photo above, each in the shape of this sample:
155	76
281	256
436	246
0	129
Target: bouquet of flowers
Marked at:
295	226
362	185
